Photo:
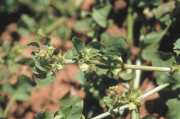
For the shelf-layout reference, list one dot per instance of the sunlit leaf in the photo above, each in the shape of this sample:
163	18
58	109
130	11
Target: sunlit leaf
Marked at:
100	14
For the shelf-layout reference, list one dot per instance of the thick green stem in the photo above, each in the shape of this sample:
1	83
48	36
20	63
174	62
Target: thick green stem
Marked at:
134	114
138	75
129	27
129	38
125	66
8	106
147	68
155	90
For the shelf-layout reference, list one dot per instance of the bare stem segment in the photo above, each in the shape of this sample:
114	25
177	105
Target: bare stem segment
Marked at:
125	66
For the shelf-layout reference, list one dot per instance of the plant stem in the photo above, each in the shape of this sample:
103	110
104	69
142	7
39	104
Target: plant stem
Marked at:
108	113
129	27
125	66
129	38
147	68
153	91
8	106
141	97
138	75
133	114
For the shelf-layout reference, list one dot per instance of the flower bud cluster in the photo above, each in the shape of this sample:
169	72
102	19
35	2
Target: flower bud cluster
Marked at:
149	14
60	61
86	55
117	99
45	54
42	54
84	67
135	102
116	95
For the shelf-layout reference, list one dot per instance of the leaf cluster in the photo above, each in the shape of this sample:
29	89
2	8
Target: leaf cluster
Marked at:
66	112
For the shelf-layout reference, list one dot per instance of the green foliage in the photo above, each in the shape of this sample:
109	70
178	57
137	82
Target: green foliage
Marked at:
162	12
7	47
100	14
116	99
114	46
177	47
147	3
45	115
165	60
72	111
21	89
173	107
106	71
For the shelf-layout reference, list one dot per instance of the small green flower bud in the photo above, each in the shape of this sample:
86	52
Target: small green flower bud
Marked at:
58	117
82	116
59	66
119	58
146	10
84	67
116	71
132	106
50	50
138	102
42	53
133	96
59	57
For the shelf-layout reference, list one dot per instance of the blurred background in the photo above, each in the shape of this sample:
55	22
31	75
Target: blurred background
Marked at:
89	20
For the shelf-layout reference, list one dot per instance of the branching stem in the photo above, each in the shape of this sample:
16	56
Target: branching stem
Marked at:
141	97
125	66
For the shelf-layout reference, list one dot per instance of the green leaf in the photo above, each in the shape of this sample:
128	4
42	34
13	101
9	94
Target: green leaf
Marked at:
83	25
23	31
7	47
165	60
27	20
151	44
47	78
65	101
100	14
152	37
114	45
25	61
79	45
74	111
101	69
177	47
42	64
45	114
94	47
41	32
81	77
124	75
162	12
173	109
48	40
160	59
147	3
104	35
22	89
34	44
149	51
69	54
148	117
